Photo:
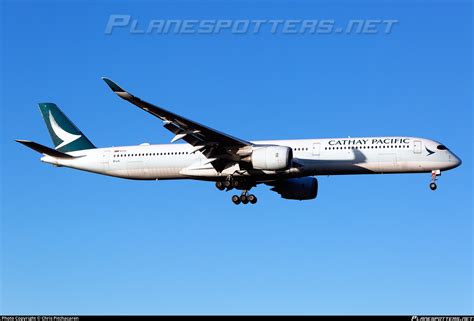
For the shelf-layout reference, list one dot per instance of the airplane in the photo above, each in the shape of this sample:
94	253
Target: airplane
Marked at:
290	167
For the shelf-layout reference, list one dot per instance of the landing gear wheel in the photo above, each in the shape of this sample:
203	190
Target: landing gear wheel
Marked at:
244	199
227	183
236	199
434	178
252	199
220	185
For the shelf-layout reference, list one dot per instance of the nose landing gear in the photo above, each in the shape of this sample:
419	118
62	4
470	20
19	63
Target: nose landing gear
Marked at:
434	178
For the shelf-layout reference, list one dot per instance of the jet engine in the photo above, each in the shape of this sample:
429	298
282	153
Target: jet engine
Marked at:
304	188
272	157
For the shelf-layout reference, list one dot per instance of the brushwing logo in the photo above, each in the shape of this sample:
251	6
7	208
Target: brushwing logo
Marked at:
65	136
430	152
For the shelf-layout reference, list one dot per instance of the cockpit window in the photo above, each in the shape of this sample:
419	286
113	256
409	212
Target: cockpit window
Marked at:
441	147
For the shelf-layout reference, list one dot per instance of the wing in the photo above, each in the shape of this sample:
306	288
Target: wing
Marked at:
220	148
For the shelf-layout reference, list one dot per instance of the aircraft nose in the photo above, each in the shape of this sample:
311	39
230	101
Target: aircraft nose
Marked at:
456	160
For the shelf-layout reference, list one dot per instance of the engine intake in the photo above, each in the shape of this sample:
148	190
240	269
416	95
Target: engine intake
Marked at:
272	157
304	188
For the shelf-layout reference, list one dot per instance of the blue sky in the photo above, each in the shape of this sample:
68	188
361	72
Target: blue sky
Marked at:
74	242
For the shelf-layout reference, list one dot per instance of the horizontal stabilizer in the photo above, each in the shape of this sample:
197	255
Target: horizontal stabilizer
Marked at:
43	149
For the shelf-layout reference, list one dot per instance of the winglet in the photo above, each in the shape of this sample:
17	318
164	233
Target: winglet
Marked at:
112	85
117	89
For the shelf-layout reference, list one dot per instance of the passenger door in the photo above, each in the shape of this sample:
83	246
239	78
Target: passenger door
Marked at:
105	160
417	146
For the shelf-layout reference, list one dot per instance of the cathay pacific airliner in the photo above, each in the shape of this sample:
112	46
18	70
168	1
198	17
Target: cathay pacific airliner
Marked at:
289	167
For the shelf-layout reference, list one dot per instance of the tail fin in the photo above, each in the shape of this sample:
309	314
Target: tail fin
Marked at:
65	135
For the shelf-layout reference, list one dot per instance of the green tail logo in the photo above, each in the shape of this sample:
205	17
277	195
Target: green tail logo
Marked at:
65	135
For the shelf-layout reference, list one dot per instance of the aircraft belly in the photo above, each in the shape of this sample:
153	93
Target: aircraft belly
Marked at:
156	169
344	164
344	168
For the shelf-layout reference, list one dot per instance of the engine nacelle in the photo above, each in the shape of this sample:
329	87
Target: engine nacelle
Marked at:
272	157
304	188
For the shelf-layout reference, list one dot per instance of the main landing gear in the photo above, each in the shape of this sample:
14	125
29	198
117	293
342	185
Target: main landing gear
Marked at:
434	178
231	183
228	184
245	198
220	185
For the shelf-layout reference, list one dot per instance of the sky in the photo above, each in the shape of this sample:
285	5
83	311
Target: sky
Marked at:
78	243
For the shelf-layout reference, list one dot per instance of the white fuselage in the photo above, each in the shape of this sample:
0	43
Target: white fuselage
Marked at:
331	156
